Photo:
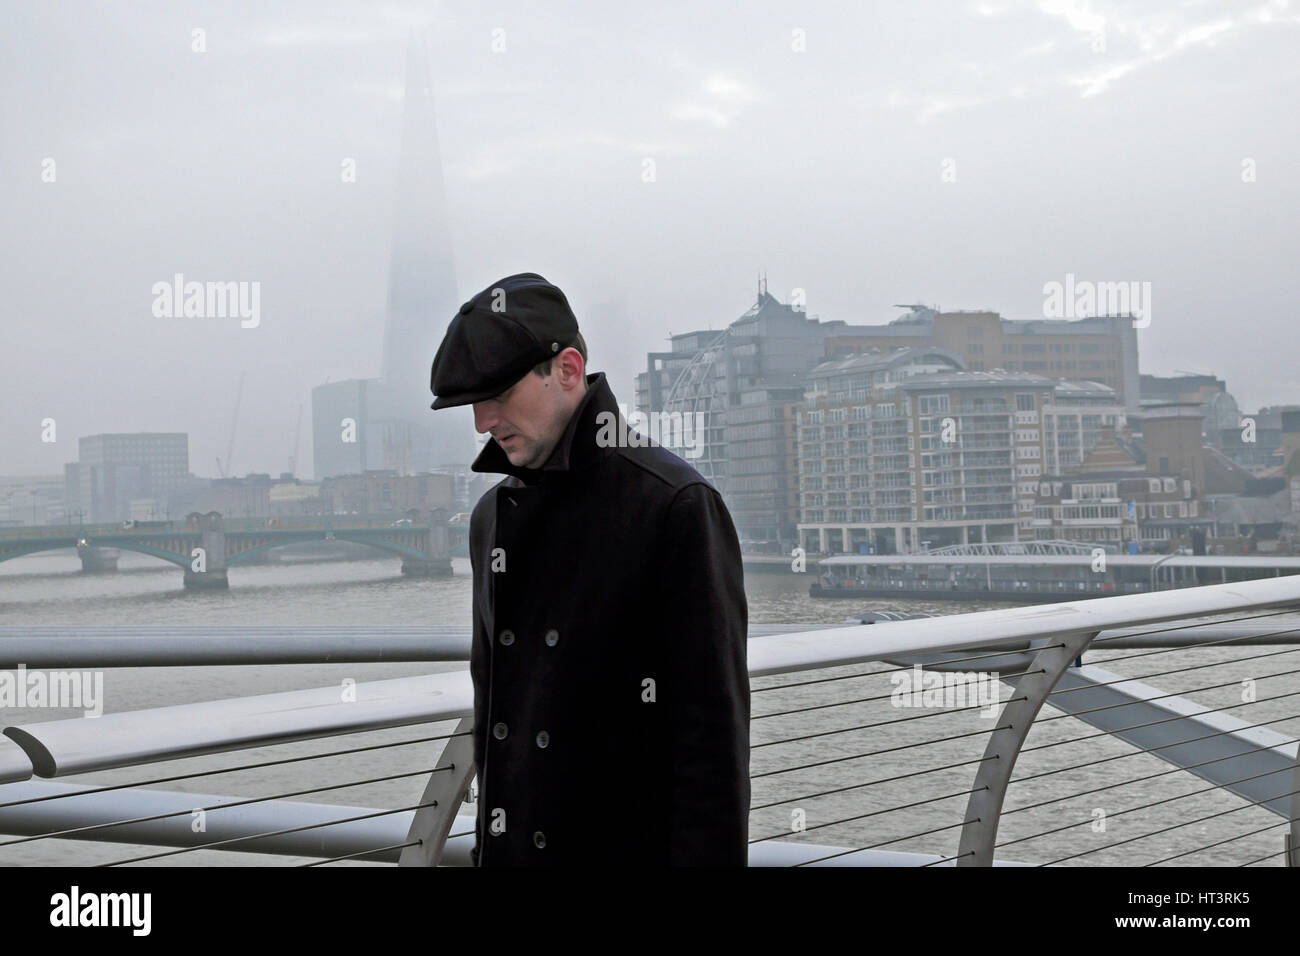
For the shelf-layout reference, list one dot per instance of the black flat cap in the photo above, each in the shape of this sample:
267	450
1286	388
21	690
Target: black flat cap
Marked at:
498	336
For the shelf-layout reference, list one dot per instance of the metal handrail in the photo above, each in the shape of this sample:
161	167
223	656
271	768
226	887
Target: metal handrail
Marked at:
62	747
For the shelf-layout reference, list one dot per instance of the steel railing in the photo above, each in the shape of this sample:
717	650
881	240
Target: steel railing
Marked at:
896	743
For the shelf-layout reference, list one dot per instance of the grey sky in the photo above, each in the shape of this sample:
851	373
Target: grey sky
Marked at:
1115	156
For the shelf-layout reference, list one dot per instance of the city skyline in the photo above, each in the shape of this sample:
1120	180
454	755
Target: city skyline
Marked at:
858	158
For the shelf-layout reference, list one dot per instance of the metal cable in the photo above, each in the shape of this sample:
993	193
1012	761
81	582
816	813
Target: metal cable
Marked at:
1143	836
1271	855
867	700
208	773
936	713
845	730
1189	740
1006	813
1152	723
820	680
869	783
220	806
258	836
1125	783
873	813
870	753
1148	806
1182	670
1219	842
887	842
349	856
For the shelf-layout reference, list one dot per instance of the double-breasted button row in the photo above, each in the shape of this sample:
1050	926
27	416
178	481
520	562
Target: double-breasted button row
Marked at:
508	637
543	739
499	731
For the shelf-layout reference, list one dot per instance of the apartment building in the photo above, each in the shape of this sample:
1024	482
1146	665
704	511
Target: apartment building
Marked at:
1101	349
903	450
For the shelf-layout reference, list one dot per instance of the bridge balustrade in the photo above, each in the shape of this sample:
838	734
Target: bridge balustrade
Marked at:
1145	729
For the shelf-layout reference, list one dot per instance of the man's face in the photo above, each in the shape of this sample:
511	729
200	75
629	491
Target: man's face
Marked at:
526	420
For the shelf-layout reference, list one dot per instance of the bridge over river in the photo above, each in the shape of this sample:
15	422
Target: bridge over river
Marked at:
205	545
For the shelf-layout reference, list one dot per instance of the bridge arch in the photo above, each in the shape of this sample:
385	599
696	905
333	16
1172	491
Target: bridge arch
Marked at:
388	547
171	557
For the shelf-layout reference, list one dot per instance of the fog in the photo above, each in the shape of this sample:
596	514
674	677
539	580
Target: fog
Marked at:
652	160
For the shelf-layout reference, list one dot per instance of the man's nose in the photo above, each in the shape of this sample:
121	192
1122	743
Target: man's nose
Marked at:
484	416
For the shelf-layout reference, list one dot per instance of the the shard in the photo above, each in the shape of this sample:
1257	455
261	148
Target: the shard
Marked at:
421	277
394	426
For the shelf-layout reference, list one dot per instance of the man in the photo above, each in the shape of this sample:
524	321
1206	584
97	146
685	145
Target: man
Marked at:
611	694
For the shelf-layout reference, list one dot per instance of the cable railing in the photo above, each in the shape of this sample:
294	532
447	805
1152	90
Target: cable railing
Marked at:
1154	729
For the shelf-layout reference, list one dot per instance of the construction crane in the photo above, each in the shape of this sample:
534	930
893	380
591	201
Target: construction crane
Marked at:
297	436
223	468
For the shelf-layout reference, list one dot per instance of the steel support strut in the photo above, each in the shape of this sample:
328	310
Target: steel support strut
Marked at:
443	793
1292	839
984	808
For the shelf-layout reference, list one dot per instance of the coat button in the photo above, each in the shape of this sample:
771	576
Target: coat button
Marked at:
543	738
539	839
499	731
551	637
507	638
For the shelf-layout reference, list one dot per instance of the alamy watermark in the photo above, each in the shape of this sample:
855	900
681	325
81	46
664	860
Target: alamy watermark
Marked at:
130	910
1083	299
83	690
208	300
669	429
921	688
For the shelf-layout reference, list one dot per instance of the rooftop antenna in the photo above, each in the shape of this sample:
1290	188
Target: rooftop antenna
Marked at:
297	437
224	468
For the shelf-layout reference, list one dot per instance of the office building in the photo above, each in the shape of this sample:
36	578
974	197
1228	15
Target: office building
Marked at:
112	471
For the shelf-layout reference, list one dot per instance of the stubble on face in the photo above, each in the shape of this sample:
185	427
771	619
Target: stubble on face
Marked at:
528	445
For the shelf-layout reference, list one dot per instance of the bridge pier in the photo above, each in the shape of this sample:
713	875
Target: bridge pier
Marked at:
207	569
96	559
426	569
436	562
207	580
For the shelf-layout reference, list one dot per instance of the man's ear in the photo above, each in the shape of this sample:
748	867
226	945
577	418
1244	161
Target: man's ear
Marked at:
571	367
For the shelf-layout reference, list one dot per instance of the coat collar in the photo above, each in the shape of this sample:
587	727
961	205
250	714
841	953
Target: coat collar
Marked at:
576	448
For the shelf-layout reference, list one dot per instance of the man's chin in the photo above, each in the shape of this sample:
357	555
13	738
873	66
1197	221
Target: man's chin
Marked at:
519	459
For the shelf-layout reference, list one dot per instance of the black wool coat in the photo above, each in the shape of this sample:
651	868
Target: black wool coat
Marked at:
611	693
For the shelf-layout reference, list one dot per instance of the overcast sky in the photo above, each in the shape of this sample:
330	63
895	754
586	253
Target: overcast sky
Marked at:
1114	141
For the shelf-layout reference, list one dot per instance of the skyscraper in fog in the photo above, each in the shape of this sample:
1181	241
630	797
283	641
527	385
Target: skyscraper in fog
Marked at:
386	422
421	275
